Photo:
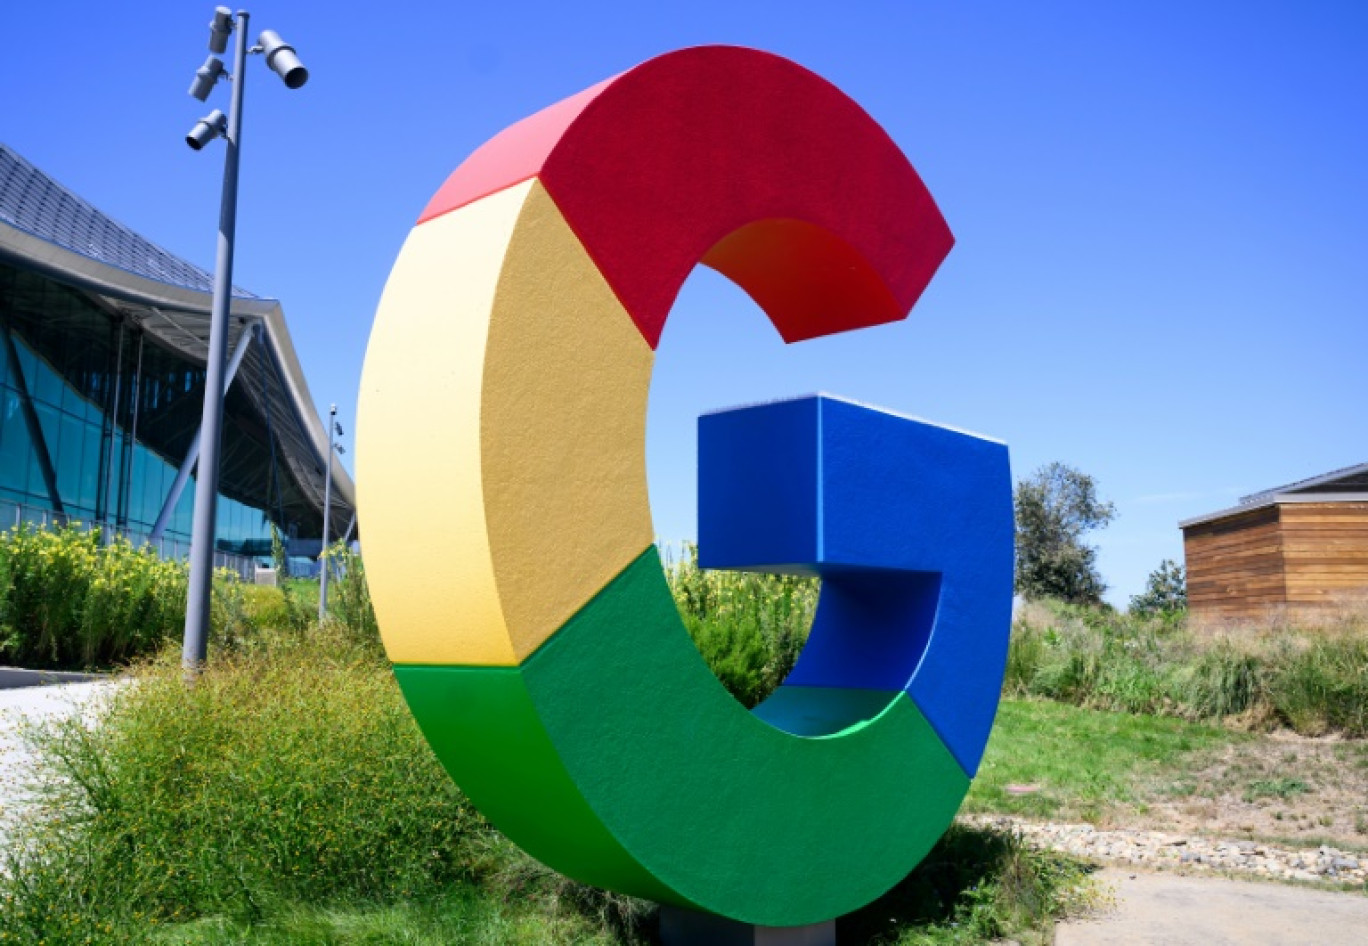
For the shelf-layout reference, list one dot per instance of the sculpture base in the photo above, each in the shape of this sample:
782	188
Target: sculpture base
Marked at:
688	928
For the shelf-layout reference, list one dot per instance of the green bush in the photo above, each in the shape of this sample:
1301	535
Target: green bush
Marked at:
1312	679
267	607
749	627
67	600
349	601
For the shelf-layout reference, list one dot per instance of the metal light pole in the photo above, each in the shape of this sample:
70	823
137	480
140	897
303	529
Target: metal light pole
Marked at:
327	514
281	58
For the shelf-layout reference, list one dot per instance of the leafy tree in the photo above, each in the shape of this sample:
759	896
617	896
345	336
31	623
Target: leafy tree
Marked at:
279	560
1165	591
1055	506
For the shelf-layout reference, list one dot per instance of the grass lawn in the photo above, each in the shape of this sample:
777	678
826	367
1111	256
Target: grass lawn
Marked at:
1085	763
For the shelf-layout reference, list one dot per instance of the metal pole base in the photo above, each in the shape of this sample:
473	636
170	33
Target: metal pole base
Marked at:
688	928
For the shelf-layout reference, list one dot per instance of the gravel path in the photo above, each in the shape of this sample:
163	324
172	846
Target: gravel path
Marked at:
1164	888
1158	850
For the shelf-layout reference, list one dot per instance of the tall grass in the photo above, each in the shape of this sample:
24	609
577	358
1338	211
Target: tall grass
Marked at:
349	601
288	797
1311	679
749	627
288	773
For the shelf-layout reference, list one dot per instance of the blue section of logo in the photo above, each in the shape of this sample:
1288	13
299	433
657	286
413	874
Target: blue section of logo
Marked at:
909	524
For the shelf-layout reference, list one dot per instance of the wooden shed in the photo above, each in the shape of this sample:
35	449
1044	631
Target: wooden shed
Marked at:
1299	550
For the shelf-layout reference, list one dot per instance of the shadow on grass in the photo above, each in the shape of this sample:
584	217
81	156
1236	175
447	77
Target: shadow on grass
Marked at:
977	883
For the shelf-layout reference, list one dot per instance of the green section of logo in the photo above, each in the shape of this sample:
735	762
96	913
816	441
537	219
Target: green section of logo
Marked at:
615	756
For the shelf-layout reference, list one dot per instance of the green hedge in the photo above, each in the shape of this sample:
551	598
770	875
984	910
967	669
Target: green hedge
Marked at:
69	601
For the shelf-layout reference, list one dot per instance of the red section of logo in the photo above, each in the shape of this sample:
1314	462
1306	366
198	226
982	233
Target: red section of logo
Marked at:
740	160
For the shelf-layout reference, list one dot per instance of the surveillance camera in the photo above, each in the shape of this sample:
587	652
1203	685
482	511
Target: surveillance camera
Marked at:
280	56
205	77
219	29
206	130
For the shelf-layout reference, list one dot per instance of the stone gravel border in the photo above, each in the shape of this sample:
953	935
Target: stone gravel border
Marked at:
1158	850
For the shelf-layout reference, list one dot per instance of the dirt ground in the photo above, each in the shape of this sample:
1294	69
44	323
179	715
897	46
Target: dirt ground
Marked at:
1283	788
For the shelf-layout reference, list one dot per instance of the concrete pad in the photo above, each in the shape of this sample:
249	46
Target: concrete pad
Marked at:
1207	911
17	764
688	928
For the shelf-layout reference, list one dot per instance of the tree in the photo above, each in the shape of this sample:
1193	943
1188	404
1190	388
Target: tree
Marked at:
279	559
1055	506
1165	591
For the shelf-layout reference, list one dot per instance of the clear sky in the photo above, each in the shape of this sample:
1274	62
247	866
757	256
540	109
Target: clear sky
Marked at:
1161	209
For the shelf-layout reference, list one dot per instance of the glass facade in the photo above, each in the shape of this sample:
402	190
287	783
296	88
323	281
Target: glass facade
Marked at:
96	416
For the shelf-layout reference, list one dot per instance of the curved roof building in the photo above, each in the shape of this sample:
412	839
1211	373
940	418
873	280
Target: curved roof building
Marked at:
103	342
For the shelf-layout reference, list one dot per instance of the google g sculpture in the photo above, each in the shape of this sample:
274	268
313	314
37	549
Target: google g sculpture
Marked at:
508	538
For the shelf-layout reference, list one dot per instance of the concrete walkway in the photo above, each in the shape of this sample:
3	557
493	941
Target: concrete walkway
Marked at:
16	762
15	677
1178	910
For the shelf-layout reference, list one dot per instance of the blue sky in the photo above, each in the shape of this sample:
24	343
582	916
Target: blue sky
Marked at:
1161	209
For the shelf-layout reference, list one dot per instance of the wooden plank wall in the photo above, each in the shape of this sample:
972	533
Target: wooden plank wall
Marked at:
1287	558
1325	553
1235	565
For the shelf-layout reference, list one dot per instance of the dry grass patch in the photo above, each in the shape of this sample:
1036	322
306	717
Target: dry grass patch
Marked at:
1281	788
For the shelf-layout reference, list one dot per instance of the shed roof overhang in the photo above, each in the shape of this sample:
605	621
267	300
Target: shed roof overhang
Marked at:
1271	498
